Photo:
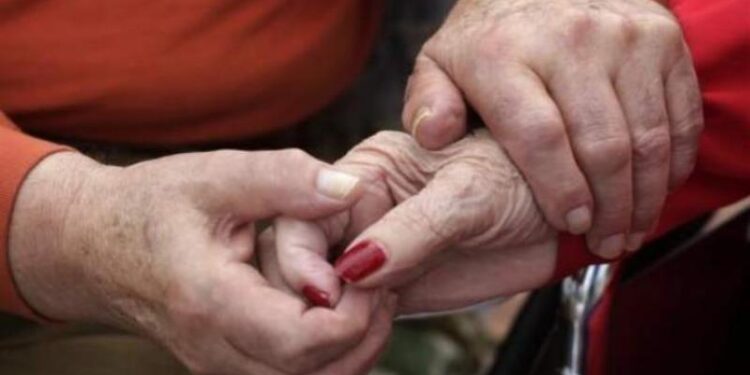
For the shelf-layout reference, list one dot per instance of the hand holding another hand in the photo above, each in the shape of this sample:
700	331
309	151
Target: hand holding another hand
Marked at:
444	229
165	248
596	102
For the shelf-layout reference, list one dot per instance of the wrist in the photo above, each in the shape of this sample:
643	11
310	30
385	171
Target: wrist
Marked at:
45	272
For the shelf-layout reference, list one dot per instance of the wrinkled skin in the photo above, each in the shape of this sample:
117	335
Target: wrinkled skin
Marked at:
596	102
162	248
459	226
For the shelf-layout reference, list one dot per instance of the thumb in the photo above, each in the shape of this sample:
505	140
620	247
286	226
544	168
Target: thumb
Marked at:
411	237
434	110
269	183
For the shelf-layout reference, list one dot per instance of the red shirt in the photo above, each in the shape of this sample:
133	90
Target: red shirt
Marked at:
718	34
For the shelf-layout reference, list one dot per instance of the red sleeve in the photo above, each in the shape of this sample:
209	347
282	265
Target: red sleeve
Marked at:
19	153
718	34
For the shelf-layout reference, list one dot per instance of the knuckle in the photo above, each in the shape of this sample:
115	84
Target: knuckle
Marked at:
187	309
661	26
651	147
624	27
219	159
421	65
579	20
493	45
580	26
389	152
606	155
487	45
688	128
386	138
544	133
294	156
570	192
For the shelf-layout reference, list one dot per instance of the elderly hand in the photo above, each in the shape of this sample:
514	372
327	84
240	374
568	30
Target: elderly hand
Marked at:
595	101
445	229
163	248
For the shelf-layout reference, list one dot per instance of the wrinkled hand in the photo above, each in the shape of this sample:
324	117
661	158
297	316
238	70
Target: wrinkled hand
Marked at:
445	229
163	248
595	101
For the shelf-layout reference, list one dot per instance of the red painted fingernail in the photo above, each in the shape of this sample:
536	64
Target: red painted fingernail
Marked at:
360	261
316	296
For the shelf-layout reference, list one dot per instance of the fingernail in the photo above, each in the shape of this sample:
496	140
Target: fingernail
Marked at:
316	297
635	241
422	114
578	220
361	261
335	184
612	246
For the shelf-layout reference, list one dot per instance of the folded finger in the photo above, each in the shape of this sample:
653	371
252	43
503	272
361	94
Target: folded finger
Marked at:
434	110
642	96
601	143
302	249
685	107
524	119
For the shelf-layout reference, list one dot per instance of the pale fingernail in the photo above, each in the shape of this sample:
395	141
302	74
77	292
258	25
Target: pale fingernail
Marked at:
612	246
335	184
578	220
635	241
422	114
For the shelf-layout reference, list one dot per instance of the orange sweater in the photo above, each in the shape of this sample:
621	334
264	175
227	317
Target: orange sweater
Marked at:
189	73
164	73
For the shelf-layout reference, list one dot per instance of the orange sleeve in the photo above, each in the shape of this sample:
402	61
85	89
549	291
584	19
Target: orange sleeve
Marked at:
19	153
718	34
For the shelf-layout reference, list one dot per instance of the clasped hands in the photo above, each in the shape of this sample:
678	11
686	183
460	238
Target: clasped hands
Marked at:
169	249
596	103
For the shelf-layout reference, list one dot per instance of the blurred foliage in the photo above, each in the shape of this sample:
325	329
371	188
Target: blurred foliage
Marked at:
450	345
